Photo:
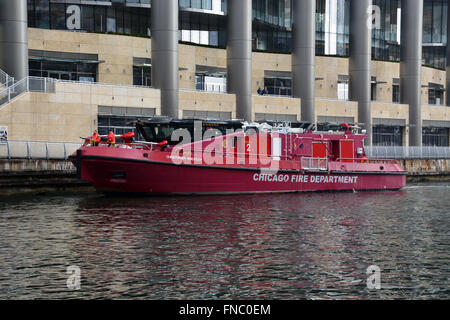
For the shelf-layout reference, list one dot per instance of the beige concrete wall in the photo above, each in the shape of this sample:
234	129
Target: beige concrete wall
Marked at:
45	117
70	112
327	71
336	108
385	72
116	51
190	56
431	75
390	111
276	105
441	113
267	61
201	101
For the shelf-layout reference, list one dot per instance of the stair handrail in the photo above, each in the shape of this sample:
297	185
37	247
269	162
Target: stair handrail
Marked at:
5	79
12	87
22	86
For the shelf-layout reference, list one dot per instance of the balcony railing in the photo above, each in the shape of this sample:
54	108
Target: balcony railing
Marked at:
408	153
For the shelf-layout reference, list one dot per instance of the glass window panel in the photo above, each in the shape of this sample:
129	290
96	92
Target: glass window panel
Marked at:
42	14
100	18
111	25
437	22
427	21
435	137
387	136
206	4
135	21
214	38
87	18
395	93
127	21
184	3
58	16
119	20
31	14
444	22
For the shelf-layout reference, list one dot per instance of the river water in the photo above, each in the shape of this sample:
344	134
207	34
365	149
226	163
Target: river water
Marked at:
293	246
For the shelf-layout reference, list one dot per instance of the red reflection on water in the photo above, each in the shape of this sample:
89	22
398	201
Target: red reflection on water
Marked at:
260	242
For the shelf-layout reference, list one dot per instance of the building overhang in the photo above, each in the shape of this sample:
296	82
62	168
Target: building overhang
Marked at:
68	57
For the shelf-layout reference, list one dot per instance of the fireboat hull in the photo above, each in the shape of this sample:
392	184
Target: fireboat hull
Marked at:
118	175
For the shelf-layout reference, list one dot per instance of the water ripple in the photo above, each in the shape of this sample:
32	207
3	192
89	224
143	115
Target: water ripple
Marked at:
297	246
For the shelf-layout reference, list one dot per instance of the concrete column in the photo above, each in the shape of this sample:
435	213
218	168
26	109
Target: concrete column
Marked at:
447	85
239	56
411	66
359	62
14	38
303	56
164	25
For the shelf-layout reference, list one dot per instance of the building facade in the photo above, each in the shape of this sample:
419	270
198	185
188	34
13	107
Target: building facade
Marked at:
313	58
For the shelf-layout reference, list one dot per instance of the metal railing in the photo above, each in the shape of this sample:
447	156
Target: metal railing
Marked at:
367	160
36	150
38	84
408	153
108	84
314	164
5	79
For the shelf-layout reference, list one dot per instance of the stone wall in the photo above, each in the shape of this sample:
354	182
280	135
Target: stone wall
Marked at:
427	167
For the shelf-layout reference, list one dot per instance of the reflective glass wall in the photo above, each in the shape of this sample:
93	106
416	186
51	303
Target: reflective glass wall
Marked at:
214	5
272	22
332	27
133	20
203	22
386	35
274	12
435	21
435	32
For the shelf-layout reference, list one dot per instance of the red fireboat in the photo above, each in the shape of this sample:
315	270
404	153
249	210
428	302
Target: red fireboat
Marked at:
258	158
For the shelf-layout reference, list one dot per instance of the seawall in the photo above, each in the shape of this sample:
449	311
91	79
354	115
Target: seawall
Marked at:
427	170
39	176
24	176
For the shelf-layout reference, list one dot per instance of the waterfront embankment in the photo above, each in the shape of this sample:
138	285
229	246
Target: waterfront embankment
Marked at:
427	170
25	176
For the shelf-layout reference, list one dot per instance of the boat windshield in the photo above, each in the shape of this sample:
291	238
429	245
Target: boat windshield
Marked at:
158	131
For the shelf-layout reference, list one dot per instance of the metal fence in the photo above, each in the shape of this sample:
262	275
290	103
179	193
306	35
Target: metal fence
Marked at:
408	153
37	150
38	84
